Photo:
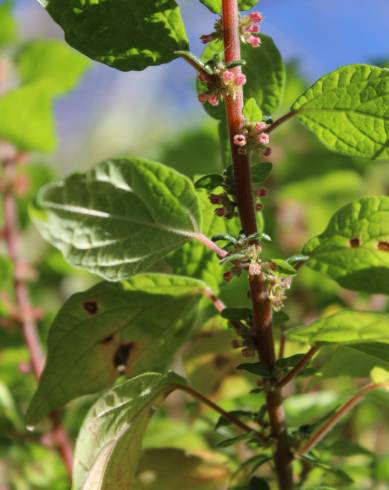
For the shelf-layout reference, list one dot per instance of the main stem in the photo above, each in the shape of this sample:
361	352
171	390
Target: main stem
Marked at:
26	314
262	312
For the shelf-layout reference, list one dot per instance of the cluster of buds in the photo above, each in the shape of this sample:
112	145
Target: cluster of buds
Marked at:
223	82
253	138
244	255
249	29
246	341
259	194
227	207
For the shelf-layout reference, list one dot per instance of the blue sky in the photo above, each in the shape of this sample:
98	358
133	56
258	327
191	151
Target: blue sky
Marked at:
110	111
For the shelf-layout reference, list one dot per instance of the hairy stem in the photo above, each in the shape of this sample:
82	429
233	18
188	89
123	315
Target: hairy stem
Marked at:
26	315
332	421
210	244
262	312
280	121
298	367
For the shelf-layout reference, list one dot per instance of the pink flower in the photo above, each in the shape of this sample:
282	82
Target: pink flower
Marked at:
203	98
256	17
228	75
267	152
206	38
264	139
202	77
253	28
240	79
254	41
215	199
261	192
213	100
220	212
260	126
240	140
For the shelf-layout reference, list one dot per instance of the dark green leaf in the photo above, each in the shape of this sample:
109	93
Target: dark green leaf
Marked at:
109	444
125	34
114	328
348	111
119	218
209	182
284	267
354	249
240	414
344	327
280	317
290	361
236	313
51	62
261	171
255	368
247	436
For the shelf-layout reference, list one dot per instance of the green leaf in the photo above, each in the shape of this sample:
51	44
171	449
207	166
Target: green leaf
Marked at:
120	217
215	6
209	182
52	62
26	118
7	23
114	328
109	444
348	111
344	327
379	375
354	249
284	267
265	73
6	269
236	313
255	368
251	111
125	34
261	171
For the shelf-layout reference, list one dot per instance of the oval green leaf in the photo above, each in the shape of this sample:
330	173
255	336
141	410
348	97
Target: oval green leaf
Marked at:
354	249
110	441
125	34
348	110
119	218
113	329
51	62
344	327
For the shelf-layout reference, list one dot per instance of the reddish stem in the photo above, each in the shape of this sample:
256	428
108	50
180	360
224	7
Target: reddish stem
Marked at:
217	302
280	121
298	367
26	312
331	422
262	312
210	244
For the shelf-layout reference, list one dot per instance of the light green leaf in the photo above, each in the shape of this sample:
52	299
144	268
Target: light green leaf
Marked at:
114	328
344	327
354	249
7	23
125	34
265	73
51	62
215	6
379	375
348	111
6	268
26	118
251	111
109	444
119	218
194	259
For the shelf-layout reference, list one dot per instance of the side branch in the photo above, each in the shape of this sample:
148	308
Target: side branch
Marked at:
331	422
26	315
280	121
298	367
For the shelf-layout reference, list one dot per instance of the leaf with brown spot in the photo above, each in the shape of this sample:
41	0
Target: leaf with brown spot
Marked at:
353	250
138	327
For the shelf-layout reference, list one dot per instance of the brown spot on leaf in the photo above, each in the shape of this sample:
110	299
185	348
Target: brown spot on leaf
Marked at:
91	306
355	242
108	339
220	361
122	355
383	246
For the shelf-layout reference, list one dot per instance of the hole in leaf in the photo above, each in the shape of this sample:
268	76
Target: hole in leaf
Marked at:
121	356
91	307
383	246
355	242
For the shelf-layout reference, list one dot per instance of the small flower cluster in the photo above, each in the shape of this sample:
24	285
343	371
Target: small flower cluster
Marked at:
277	286
222	83
246	342
259	193
249	29
228	205
253	138
245	255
